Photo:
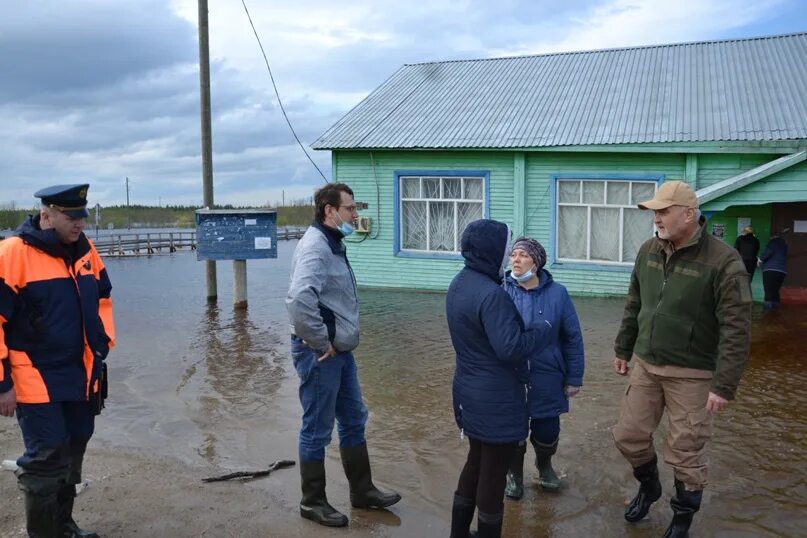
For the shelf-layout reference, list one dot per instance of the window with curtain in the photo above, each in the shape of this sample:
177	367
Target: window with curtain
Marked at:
434	211
598	221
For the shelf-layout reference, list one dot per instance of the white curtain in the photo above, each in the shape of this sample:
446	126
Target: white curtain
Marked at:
605	234
638	228
642	192
410	187
413	223
441	226
473	188
572	226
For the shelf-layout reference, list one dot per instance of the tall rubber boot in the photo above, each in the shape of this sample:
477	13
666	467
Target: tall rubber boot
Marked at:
41	515
489	525
547	478
515	474
363	494
67	526
462	514
684	505
314	505
649	490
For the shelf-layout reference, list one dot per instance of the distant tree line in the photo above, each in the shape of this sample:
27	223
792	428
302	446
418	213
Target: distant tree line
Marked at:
301	213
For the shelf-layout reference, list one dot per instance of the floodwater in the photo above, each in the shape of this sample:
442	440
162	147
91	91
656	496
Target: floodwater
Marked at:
215	388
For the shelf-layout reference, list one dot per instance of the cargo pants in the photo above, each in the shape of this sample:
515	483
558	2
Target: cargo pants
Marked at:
682	393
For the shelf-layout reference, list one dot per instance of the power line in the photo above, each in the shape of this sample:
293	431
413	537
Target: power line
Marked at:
279	101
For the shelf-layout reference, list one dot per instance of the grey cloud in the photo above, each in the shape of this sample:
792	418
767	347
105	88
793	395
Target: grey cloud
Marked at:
48	47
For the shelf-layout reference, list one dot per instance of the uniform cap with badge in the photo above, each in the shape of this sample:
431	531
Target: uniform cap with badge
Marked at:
69	199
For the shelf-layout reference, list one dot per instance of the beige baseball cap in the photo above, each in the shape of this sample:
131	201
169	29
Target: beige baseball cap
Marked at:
672	193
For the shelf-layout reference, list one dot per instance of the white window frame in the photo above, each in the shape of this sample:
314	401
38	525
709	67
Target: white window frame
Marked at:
483	202
589	206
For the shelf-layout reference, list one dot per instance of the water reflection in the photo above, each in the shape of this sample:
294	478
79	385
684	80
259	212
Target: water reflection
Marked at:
242	366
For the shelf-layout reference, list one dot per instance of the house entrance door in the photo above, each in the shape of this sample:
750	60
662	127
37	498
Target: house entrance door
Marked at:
793	215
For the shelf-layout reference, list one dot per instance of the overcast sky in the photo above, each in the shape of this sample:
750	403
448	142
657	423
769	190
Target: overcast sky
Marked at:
98	90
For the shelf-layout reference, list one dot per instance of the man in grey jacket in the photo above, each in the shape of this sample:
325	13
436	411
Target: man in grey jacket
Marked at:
324	314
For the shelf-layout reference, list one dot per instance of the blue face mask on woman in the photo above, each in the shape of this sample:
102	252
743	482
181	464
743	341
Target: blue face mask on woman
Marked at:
524	277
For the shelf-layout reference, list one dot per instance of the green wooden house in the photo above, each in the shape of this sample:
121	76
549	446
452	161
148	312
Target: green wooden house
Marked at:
563	146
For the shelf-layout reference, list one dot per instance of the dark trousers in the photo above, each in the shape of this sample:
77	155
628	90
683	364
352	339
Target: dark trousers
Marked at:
545	430
485	474
750	267
772	282
55	436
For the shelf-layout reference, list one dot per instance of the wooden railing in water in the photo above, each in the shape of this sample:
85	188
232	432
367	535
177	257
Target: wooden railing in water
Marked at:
149	243
136	244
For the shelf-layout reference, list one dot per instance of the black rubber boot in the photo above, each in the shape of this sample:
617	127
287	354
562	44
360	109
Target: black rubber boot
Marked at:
363	494
547	478
314	505
684	505
462	514
515	474
67	526
649	491
489	525
41	515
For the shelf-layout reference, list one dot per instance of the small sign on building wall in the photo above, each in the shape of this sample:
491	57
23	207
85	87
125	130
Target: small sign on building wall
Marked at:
800	226
719	230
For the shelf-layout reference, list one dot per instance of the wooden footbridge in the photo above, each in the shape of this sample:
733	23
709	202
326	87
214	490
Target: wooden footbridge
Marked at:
152	243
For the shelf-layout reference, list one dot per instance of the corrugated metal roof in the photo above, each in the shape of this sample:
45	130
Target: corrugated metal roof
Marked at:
743	89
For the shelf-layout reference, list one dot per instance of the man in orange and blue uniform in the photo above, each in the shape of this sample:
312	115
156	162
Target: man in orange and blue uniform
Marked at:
56	329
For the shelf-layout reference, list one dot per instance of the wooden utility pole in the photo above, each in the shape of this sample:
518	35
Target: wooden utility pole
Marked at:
207	137
128	212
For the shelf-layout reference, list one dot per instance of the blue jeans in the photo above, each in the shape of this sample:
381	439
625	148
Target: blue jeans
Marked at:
329	390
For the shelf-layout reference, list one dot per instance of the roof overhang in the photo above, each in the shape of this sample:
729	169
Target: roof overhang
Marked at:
722	188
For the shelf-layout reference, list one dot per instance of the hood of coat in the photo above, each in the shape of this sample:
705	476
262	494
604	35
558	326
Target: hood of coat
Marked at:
46	240
486	246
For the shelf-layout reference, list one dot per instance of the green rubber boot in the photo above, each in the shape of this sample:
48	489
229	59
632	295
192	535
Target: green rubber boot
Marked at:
515	474
547	478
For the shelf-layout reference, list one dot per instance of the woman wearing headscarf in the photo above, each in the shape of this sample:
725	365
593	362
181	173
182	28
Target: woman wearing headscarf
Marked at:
556	371
491	346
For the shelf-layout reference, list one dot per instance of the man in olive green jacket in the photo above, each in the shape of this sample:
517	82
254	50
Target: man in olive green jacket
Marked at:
687	321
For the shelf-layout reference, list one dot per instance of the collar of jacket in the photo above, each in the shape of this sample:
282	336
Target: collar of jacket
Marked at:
333	236
47	241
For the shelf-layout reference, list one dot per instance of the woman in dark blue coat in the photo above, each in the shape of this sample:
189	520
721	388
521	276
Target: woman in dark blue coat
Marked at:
556	372
774	268
489	392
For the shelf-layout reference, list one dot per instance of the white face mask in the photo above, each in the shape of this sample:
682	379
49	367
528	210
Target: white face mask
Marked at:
344	227
525	276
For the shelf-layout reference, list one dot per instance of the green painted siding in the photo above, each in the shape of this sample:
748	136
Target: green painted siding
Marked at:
372	259
372	256
760	216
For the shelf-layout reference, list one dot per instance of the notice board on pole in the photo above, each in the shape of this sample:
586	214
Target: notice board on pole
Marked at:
236	234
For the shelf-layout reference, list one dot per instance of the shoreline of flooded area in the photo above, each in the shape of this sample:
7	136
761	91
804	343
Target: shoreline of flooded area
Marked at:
214	389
